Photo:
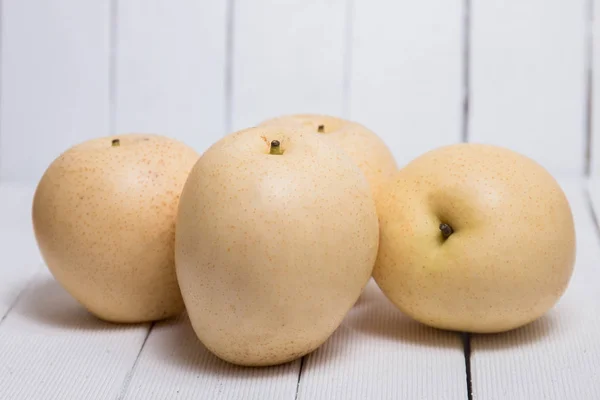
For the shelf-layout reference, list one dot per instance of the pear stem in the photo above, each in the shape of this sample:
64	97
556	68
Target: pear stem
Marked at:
321	128
275	148
446	230
116	143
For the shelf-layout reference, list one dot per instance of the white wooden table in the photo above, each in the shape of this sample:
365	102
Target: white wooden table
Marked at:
51	348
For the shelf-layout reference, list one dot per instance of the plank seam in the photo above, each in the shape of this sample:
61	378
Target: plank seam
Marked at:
229	64
589	89
299	376
466	340
466	83
466	78
30	281
129	375
347	73
592	211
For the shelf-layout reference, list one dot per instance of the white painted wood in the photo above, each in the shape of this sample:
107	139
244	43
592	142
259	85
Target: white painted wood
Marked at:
55	92
528	79
557	356
595	100
51	348
170	69
288	58
379	353
406	75
17	241
20	256
174	364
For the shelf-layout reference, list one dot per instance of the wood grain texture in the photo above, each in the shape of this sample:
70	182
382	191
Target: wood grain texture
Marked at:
175	365
170	69
406	80
55	81
288	58
379	353
528	77
557	356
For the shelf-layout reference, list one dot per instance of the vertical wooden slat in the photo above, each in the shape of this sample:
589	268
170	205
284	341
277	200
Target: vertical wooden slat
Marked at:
595	91
55	92
528	79
170	69
288	58
407	72
1	75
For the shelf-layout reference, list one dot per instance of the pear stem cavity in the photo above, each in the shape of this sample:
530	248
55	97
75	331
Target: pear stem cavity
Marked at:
275	148
116	143
321	128
446	230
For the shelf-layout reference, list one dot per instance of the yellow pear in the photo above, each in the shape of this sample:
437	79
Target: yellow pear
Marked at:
363	146
276	237
104	219
474	238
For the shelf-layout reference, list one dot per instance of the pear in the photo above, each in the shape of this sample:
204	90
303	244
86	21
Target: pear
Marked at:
276	237
364	147
474	238
104	220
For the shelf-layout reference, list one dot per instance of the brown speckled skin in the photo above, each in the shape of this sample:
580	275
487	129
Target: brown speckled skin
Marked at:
104	220
272	251
363	146
512	252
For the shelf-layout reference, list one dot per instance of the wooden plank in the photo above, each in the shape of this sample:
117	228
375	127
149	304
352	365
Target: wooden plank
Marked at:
288	58
52	348
170	69
174	364
557	356
20	256
528	79
55	92
379	353
406	79
595	91
17	242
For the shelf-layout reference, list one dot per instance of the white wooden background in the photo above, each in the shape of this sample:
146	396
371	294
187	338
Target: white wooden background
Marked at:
524	74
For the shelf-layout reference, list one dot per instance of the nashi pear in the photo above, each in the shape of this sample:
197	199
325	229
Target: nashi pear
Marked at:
276	237
474	238
104	219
